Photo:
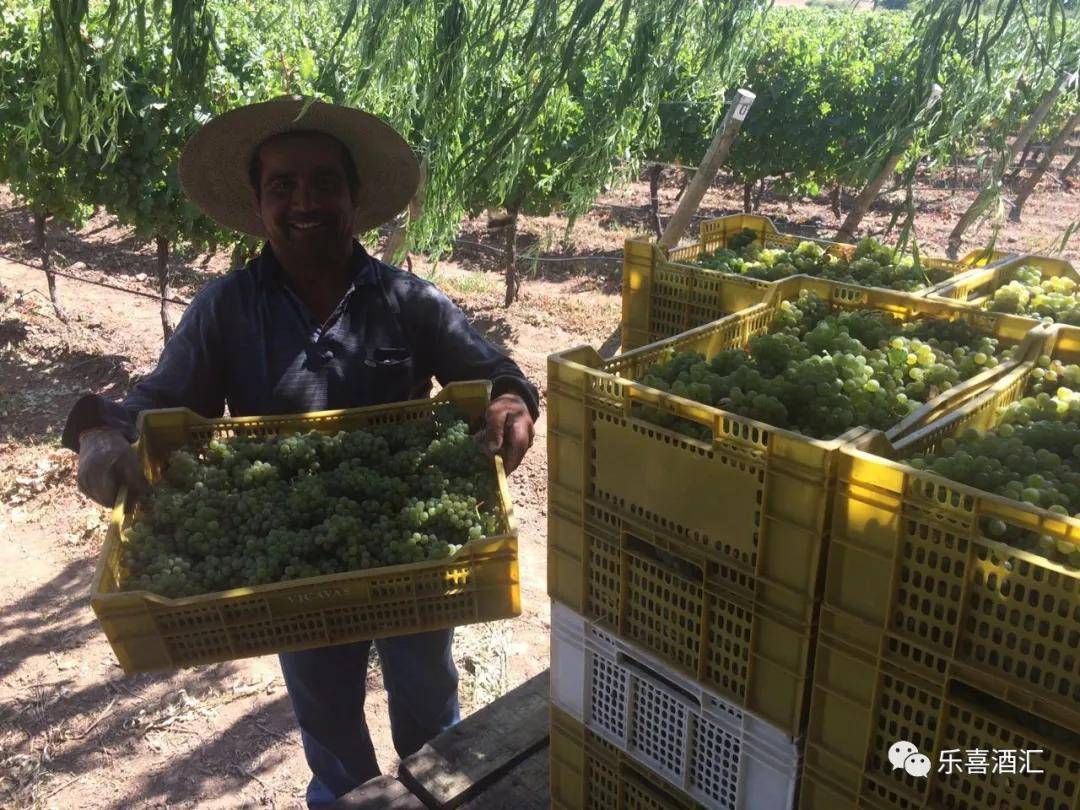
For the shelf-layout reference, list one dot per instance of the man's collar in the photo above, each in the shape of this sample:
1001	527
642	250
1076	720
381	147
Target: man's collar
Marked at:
361	267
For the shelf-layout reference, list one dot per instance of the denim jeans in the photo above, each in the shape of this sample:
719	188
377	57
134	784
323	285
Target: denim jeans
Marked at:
326	687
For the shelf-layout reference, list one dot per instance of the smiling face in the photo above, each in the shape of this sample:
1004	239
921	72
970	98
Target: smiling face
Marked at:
305	199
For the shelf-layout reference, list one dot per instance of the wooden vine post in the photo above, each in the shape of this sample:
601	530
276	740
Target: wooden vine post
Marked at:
1052	151
397	243
988	194
1070	167
656	171
710	165
873	188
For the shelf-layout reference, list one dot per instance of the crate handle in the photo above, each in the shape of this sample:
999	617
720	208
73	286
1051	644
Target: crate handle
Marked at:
997	709
636	393
631	774
669	561
656	679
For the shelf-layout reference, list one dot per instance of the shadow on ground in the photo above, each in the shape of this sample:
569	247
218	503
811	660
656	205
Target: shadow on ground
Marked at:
39	385
488	322
97	726
220	766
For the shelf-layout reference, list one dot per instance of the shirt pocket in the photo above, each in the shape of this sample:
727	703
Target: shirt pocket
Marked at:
390	373
388	357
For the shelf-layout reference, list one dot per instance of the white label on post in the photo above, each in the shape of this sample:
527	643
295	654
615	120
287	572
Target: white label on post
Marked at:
935	95
744	99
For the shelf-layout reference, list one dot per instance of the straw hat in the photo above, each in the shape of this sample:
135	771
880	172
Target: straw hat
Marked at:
214	163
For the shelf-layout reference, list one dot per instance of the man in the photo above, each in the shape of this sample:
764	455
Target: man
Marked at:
314	323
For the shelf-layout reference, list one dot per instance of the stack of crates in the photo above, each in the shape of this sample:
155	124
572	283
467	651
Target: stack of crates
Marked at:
687	575
940	643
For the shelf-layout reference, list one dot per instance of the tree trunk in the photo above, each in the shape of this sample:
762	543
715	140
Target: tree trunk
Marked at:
1020	165
238	255
163	284
834	200
759	194
397	242
513	283
1037	174
1070	167
655	171
40	218
971	215
682	186
866	198
955	173
873	188
748	197
985	197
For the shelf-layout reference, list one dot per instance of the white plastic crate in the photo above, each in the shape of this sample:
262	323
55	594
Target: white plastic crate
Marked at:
718	754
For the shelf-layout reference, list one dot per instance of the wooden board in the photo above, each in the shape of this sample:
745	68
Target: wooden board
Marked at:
461	762
525	787
380	793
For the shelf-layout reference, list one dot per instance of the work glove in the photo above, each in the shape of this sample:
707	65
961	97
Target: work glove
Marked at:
107	461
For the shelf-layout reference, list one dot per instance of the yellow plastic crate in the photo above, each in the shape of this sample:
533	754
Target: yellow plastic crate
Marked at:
707	554
977	285
864	702
909	558
663	294
150	632
588	772
661	298
958	410
701	617
715	233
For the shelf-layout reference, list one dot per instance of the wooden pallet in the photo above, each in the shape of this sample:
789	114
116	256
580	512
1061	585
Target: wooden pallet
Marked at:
491	750
495	758
380	793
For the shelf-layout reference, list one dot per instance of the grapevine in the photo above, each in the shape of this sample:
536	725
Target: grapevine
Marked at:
821	372
245	511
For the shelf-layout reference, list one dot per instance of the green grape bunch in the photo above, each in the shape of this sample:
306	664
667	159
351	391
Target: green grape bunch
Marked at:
872	264
1030	455
822	372
246	511
1026	291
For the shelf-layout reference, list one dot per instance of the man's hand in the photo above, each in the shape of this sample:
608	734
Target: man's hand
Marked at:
107	460
508	431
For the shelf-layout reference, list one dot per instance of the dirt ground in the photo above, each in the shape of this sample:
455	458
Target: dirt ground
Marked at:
74	731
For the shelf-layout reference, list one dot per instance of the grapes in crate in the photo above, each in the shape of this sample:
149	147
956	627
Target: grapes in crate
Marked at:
821	372
1026	292
247	511
1031	455
872	264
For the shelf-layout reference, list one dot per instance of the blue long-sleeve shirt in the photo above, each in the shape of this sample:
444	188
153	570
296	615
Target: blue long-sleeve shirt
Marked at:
247	340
